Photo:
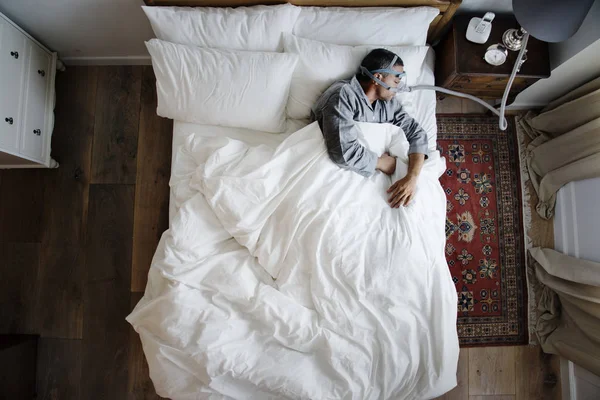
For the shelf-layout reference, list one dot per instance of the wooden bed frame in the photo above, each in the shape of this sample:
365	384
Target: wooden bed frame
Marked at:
436	28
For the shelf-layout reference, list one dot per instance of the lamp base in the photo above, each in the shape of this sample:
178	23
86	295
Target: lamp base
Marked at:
513	39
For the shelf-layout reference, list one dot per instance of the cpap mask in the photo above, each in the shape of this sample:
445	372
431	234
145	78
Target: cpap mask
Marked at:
402	86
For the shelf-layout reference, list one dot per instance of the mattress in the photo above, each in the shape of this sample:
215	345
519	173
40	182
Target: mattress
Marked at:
419	104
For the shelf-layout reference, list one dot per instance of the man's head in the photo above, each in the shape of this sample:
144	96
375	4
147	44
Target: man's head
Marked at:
375	62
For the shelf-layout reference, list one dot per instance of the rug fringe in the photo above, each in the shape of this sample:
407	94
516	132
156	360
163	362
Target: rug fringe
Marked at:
527	226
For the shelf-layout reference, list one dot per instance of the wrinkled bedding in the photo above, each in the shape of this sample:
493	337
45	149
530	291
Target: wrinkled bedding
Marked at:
283	276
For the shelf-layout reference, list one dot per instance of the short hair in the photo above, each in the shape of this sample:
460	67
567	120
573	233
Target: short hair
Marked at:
378	59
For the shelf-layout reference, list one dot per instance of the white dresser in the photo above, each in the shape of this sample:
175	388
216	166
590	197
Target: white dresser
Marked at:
27	71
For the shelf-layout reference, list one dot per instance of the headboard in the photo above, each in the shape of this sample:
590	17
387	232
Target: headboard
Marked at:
436	28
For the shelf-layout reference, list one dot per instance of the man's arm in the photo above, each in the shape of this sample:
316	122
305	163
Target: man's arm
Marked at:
416	136
341	136
403	190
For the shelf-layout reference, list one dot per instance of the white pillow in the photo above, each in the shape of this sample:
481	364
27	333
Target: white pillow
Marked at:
256	28
356	26
321	64
222	87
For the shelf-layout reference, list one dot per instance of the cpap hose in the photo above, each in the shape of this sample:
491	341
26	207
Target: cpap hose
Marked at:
516	68
503	123
466	96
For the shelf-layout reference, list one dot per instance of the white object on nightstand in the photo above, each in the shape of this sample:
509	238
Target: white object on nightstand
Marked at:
496	54
479	29
27	71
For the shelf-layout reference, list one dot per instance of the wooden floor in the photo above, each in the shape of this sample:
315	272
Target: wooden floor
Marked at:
77	242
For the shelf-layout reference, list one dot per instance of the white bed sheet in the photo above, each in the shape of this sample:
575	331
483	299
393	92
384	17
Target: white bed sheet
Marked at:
420	105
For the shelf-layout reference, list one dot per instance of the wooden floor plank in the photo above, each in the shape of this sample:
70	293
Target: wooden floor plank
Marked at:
67	187
109	234
492	370
19	266
501	397
58	369
151	217
22	205
105	341
106	334
18	368
116	125
140	386
461	391
537	377
59	291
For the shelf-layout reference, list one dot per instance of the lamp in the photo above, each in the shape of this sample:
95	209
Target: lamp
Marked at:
551	20
547	20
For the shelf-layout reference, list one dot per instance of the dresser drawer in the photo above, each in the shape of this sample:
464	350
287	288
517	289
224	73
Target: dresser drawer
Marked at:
491	80
487	83
36	97
12	66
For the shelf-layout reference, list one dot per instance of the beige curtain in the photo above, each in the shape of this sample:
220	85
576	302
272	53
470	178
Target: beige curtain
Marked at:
565	143
568	322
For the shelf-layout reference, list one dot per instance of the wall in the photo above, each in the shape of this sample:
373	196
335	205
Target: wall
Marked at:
93	31
114	31
476	6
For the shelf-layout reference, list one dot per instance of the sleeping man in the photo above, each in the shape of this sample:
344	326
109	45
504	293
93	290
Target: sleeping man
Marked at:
370	97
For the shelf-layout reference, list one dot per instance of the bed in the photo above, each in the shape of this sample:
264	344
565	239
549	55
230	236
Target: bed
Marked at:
264	286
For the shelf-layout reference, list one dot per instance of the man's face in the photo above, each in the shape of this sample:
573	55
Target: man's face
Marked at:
390	80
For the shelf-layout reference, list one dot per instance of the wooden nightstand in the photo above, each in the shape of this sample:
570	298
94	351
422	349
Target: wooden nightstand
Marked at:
460	65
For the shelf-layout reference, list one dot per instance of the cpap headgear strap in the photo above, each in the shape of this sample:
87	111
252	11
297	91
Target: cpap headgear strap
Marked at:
402	87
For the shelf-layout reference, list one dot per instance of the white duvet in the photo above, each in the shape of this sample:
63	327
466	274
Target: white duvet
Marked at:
283	276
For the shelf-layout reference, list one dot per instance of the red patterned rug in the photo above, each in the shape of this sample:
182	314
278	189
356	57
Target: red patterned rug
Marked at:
484	229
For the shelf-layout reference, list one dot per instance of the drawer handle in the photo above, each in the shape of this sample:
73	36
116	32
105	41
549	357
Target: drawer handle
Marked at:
15	54
9	120
41	72
37	132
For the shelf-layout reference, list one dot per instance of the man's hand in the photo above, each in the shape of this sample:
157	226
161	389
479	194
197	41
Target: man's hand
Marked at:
386	164
402	192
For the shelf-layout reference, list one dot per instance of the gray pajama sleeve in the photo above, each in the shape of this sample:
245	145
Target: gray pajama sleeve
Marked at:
416	136
341	136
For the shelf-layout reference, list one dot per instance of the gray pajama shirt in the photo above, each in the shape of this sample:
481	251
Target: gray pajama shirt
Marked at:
345	103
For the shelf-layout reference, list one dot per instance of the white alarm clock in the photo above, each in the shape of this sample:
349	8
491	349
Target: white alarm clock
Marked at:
496	54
